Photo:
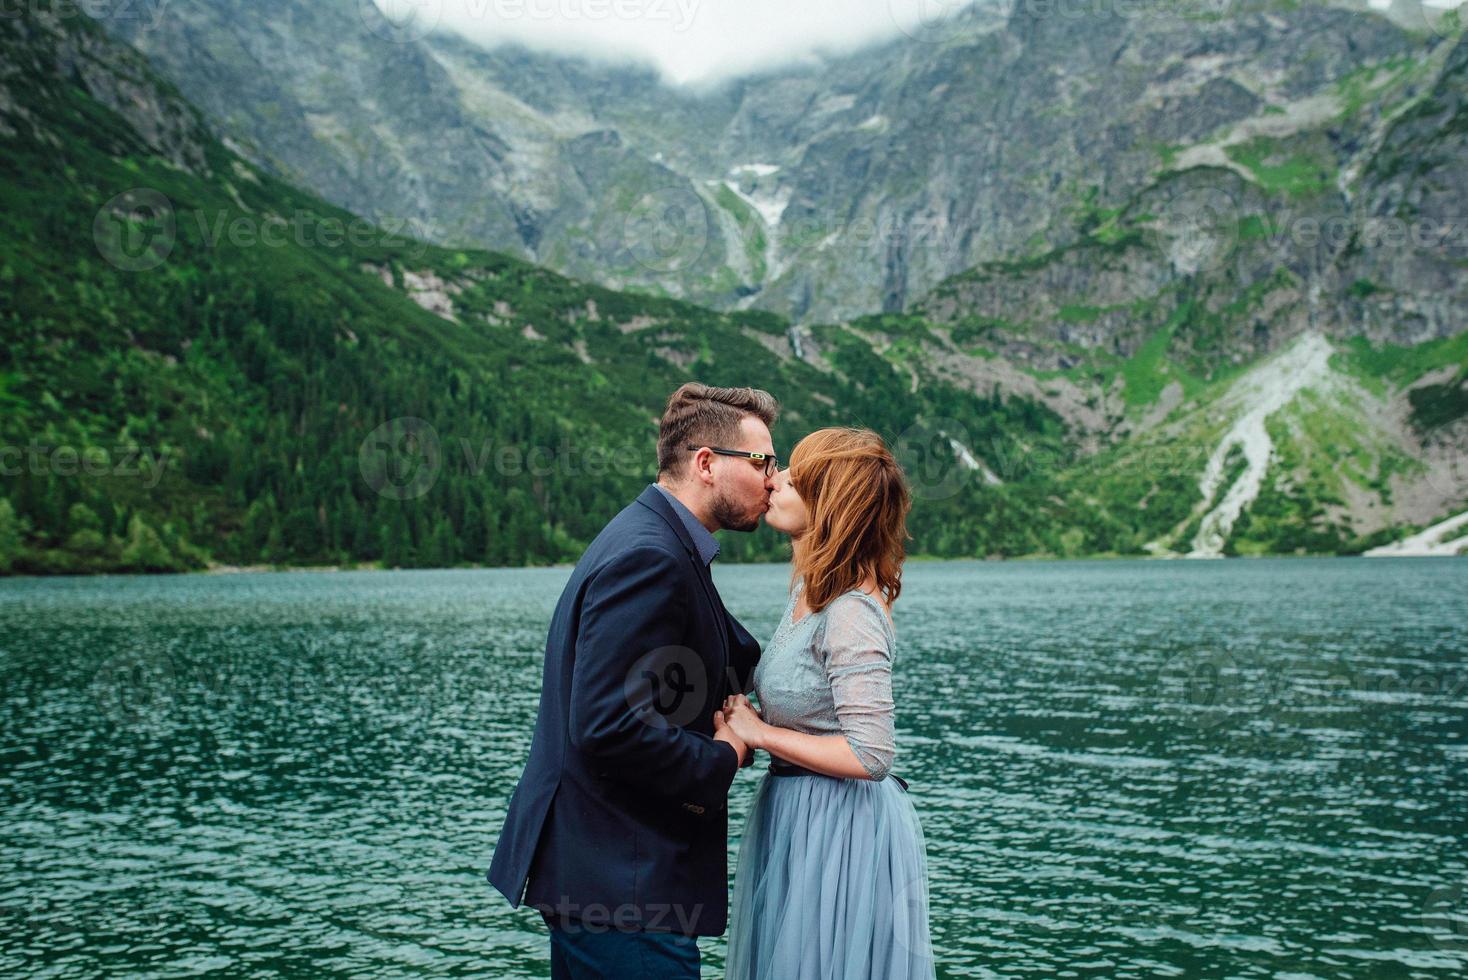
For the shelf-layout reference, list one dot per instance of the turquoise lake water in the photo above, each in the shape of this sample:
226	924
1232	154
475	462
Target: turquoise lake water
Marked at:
1126	768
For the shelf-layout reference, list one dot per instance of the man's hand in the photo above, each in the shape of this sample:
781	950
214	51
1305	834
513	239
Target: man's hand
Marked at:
723	733
741	716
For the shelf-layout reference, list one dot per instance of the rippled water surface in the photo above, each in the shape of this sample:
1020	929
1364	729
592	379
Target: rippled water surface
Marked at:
1229	768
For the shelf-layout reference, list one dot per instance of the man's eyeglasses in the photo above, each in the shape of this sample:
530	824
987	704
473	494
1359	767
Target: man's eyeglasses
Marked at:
771	461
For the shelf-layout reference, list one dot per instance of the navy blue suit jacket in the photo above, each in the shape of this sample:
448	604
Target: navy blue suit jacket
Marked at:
619	818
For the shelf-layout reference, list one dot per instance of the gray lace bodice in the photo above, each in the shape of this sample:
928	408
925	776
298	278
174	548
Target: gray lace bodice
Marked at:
831	674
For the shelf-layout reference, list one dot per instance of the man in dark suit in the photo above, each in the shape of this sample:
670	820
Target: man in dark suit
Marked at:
618	829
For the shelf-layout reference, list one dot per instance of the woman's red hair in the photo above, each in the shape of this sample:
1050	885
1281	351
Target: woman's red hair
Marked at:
857	501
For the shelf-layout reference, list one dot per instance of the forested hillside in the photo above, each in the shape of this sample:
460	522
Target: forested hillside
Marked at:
205	365
199	359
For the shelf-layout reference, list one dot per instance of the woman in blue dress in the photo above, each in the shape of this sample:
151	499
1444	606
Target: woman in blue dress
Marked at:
831	882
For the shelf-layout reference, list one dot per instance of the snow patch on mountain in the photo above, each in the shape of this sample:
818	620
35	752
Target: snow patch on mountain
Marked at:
1434	541
1257	395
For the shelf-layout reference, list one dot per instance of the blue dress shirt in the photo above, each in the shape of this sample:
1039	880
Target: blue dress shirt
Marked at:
706	543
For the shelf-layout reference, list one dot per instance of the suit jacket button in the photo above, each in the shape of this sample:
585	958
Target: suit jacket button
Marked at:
693	808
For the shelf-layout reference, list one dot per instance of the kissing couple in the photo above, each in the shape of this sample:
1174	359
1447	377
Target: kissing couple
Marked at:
617	832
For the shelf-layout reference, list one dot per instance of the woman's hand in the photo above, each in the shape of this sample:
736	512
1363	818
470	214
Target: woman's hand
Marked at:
723	733
741	716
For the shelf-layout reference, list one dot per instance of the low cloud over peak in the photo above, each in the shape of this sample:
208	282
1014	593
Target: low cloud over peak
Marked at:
687	41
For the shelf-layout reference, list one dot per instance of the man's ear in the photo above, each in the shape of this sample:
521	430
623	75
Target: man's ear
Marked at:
703	467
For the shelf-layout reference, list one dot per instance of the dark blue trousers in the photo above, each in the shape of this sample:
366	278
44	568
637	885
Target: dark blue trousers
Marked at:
600	952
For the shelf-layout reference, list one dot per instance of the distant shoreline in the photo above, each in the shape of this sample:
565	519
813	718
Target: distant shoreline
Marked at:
922	559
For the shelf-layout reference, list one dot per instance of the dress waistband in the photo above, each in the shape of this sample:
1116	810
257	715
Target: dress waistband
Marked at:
779	767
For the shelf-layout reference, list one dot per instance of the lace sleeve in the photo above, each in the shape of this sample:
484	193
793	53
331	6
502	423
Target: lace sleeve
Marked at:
857	656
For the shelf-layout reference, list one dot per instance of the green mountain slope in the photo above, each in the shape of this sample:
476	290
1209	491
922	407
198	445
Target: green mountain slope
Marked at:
199	359
203	364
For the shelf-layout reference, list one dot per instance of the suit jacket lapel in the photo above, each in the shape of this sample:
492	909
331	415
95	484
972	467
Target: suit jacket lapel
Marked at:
653	498
706	577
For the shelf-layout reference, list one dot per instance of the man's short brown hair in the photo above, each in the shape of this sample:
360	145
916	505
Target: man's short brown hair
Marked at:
698	415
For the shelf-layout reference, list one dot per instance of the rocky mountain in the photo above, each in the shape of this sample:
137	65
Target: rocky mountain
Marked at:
203	364
1257	349
822	192
1256	293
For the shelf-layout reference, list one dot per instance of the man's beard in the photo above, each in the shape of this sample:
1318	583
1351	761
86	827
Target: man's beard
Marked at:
729	516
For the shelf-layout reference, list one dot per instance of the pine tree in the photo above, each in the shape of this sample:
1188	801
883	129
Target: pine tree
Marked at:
274	547
366	542
471	539
395	545
259	519
10	536
302	532
86	531
145	551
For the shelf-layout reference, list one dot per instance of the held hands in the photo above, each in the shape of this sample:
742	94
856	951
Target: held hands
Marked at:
744	720
739	724
723	733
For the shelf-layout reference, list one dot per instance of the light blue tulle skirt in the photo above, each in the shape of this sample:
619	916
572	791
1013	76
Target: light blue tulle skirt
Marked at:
831	883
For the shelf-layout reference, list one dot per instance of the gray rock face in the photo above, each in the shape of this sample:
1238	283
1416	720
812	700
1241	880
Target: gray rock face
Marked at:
821	192
1404	272
1323	215
120	79
312	92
